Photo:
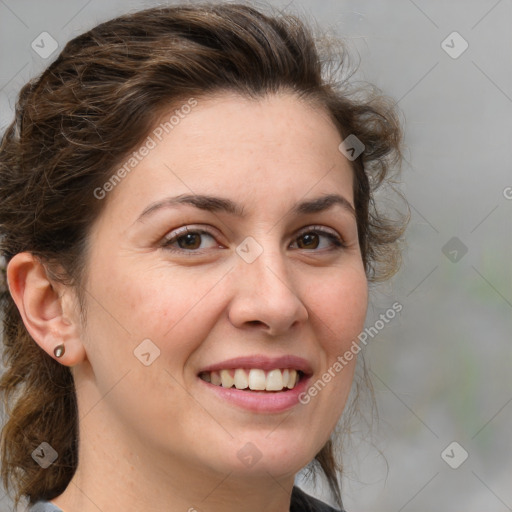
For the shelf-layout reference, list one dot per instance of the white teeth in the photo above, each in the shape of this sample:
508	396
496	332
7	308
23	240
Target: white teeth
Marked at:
254	379
226	380
241	381
286	374
257	380
292	379
274	380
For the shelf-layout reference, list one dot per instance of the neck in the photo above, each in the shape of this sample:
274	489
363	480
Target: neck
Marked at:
109	489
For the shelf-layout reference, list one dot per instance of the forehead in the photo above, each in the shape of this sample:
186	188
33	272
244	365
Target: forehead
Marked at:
259	151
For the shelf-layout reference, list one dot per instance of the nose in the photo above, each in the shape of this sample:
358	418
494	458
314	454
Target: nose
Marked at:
265	296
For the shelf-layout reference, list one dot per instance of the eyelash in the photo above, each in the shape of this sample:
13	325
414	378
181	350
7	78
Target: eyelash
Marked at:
337	242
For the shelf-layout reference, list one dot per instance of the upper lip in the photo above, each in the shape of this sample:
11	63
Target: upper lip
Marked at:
262	362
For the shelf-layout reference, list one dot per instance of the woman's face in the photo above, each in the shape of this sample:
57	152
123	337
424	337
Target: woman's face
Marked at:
218	253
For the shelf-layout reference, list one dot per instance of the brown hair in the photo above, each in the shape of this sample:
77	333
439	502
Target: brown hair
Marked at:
95	103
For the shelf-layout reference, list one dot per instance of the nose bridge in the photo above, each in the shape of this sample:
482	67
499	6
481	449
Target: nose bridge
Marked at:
264	292
264	261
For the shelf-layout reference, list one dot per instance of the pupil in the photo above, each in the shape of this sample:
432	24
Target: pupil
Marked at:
189	241
308	239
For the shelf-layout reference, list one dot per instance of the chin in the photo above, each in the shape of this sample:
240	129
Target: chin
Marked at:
265	454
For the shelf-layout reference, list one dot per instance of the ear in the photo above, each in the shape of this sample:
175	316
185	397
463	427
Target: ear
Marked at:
49	310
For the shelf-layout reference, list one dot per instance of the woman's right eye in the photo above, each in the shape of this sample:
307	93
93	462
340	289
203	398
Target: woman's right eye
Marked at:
190	240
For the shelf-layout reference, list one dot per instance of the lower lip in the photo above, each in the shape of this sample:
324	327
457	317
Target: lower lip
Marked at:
261	401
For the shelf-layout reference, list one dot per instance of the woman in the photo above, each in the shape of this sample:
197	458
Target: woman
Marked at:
188	223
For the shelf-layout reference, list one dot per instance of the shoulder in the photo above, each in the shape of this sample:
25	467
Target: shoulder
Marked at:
302	502
43	506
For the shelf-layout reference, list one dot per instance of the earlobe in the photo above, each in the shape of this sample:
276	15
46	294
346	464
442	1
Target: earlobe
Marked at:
45	309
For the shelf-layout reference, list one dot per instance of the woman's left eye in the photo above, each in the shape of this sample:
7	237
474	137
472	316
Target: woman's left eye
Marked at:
311	239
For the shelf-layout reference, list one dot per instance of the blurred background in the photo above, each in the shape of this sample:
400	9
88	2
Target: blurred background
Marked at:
441	368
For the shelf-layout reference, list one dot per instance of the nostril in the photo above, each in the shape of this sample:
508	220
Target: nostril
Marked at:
255	322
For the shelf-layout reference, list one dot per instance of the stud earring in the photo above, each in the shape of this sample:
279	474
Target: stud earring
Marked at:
59	350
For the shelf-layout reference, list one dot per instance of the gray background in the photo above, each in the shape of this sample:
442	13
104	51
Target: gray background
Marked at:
441	370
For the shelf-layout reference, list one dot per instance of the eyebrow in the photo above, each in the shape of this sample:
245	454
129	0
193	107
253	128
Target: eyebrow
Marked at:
220	204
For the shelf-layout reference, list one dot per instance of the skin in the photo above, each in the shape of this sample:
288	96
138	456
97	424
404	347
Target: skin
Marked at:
151	437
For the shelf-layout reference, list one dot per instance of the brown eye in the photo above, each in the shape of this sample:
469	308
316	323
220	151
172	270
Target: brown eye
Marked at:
308	241
189	241
318	238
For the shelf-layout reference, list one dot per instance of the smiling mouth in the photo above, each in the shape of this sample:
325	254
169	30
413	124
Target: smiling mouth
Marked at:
254	379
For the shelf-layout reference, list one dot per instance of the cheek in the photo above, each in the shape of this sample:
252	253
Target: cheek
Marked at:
175	310
339	305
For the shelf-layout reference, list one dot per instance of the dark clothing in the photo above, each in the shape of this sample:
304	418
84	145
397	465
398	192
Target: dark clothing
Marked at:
301	502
